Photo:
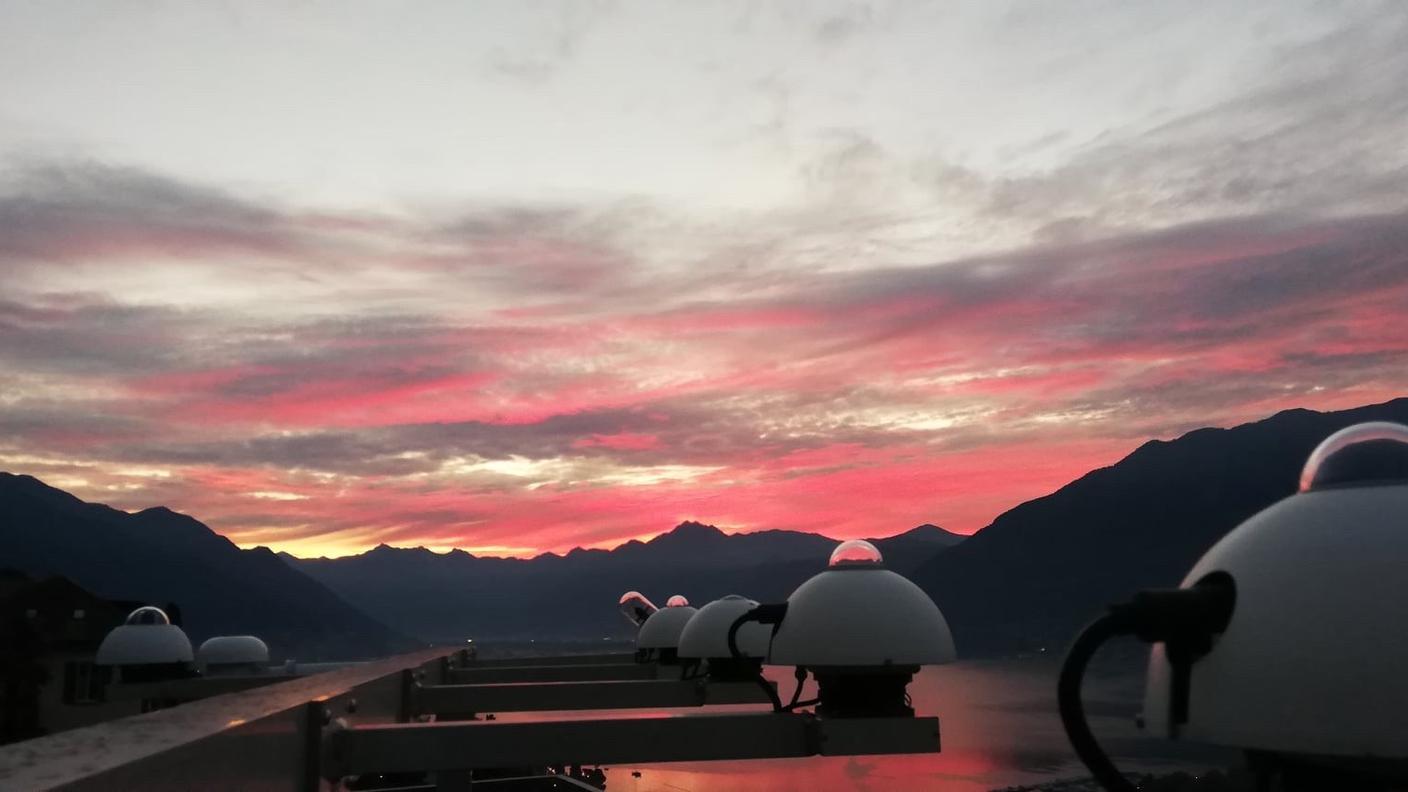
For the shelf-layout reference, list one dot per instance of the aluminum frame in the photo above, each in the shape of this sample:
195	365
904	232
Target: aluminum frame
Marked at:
462	701
596	672
456	748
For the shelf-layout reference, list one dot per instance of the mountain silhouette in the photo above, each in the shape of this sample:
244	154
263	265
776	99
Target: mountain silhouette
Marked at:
450	596
1026	582
1033	577
159	556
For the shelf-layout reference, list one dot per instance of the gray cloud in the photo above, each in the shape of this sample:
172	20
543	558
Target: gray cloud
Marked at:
1316	131
88	334
55	212
116	218
1089	304
1323	134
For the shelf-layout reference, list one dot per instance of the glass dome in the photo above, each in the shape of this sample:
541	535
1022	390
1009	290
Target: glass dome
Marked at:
1361	455
855	552
148	615
677	601
636	607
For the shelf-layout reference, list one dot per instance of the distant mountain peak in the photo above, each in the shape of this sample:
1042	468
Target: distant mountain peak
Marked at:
692	526
932	532
160	555
387	552
385	549
1041	569
27	484
170	516
689	533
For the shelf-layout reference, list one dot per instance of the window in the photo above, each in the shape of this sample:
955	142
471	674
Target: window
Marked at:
84	682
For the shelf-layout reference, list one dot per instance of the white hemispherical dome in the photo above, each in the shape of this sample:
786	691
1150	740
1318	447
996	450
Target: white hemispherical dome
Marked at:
855	552
677	601
636	607
858	613
144	644
233	649
706	633
147	615
1366	454
662	630
1313	658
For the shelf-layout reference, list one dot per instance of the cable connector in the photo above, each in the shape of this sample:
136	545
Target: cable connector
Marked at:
1189	617
772	613
1184	620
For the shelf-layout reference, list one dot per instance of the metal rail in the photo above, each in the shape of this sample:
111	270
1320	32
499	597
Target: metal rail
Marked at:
607	658
561	673
306	734
192	689
461	747
460	701
268	738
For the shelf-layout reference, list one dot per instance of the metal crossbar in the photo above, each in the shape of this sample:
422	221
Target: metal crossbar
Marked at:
597	672
264	738
303	734
460	700
442	747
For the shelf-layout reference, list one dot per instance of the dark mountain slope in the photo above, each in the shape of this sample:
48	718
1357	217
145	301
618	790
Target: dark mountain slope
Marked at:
1042	569
159	556
453	595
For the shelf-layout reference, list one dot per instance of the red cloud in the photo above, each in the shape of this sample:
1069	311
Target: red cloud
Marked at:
855	404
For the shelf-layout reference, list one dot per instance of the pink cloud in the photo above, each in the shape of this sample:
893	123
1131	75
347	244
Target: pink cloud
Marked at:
855	403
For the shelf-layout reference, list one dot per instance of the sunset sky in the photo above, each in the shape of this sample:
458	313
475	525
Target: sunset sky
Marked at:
522	276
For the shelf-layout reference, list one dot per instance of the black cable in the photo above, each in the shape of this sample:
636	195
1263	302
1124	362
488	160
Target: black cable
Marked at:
766	614
1184	620
771	691
811	702
1073	710
763	614
801	676
733	634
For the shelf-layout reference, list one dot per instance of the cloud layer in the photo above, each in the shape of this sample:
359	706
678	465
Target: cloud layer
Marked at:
908	335
599	404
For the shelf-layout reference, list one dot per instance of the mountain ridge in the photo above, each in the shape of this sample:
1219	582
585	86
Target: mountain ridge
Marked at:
158	555
1037	572
572	595
1023	583
934	533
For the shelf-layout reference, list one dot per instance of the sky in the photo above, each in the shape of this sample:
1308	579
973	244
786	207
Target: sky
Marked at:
517	277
